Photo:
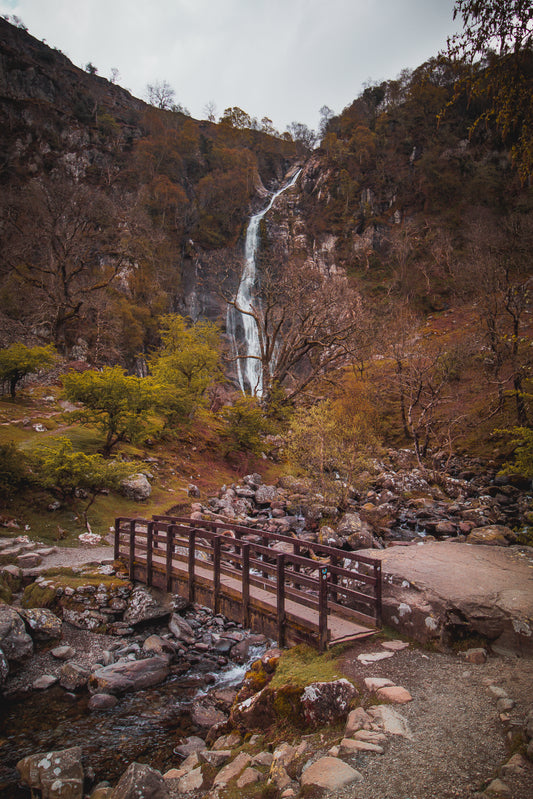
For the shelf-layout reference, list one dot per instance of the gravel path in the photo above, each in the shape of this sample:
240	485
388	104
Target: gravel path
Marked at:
458	739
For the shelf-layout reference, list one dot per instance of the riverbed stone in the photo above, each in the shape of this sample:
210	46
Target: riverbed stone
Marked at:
181	629
73	676
129	675
58	775
330	773
15	642
63	652
205	716
140	781
102	701
44	681
189	749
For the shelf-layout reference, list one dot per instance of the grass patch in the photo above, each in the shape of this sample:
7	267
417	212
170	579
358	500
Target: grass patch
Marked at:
303	665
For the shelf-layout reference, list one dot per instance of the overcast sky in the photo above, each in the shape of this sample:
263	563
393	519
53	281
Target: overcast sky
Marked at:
283	59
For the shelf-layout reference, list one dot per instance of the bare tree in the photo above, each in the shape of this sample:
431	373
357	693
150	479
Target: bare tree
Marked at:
210	111
161	94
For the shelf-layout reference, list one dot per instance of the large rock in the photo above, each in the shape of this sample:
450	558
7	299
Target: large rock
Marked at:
327	702
492	535
146	604
43	624
330	773
356	532
129	675
141	782
136	487
444	591
15	642
72	676
58	775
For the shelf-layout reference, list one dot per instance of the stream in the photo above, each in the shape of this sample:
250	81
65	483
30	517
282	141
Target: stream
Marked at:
144	727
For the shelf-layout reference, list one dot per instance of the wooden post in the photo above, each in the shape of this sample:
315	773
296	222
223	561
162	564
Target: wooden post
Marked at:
170	547
322	608
131	568
116	550
192	555
149	544
378	592
280	575
216	573
246	585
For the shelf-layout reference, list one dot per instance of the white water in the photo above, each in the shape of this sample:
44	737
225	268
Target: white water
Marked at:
241	326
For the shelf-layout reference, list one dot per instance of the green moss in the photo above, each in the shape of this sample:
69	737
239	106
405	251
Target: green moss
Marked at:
303	665
6	594
35	596
288	705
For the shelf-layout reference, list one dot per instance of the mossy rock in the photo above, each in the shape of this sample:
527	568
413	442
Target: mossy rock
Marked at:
6	594
288	705
37	596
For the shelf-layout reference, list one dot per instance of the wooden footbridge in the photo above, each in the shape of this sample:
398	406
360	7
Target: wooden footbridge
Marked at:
288	588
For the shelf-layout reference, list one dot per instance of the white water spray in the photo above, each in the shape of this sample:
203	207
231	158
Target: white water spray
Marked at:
240	324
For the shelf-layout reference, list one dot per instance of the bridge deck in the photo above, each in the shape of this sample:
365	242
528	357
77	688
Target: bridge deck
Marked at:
286	595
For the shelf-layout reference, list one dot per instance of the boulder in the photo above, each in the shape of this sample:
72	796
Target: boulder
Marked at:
129	675
193	781
43	625
58	775
181	629
146	604
355	531
327	702
330	773
205	716
191	746
136	487
156	645
492	535
233	769
63	652
254	713
265	494
102	702
141	782
15	642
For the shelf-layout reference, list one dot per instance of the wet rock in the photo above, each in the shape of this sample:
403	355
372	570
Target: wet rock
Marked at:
141	782
330	773
73	676
42	624
15	642
180	629
205	715
190	746
136	487
156	645
102	701
327	702
58	775
129	675
4	668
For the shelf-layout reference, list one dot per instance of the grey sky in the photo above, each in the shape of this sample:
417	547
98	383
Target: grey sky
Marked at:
278	58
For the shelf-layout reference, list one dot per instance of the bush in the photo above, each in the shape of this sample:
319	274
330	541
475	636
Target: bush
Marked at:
13	470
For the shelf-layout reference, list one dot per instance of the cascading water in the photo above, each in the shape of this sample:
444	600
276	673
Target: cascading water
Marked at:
240	323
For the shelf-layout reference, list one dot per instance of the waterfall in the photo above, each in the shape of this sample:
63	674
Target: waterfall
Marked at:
240	325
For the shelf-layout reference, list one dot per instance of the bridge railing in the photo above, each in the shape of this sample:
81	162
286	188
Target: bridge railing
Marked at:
297	572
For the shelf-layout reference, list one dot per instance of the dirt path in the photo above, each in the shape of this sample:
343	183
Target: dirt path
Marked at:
458	740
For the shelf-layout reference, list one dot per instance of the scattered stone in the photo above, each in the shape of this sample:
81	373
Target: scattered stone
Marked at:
44	682
330	773
351	746
58	775
370	736
497	788
15	642
63	652
395	646
374	683
155	645
102	701
127	675
478	656
72	676
505	704
497	691
373	657
181	629
193	781
139	781
233	769
29	560
492	535
191	746
227	741
357	720
390	721
248	777
263	759
327	702
205	716
215	757
517	764
395	694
